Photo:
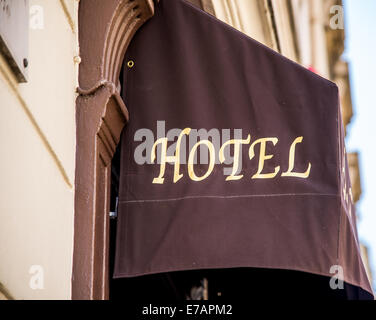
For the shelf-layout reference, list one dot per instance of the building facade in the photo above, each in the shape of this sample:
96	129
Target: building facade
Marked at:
52	233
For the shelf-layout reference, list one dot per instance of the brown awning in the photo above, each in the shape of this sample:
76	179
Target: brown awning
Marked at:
289	205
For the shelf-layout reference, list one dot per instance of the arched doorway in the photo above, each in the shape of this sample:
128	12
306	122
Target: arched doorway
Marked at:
105	31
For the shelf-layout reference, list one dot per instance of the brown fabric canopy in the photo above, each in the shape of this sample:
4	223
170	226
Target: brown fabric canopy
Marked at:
289	206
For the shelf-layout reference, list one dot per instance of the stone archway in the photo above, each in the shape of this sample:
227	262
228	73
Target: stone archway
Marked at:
105	31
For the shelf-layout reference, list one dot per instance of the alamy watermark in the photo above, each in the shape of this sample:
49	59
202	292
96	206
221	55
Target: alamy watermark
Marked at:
36	281
36	19
337	280
337	17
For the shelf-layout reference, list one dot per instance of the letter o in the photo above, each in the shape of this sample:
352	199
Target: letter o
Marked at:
191	158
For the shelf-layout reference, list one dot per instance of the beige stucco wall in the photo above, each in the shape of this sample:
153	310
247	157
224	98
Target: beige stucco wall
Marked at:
250	17
37	138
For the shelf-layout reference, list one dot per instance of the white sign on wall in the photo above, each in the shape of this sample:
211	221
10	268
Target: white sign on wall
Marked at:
14	35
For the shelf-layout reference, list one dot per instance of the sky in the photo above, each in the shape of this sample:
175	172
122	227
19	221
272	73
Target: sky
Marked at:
360	52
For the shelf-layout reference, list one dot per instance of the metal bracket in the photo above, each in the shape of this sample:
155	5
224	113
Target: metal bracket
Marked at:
114	214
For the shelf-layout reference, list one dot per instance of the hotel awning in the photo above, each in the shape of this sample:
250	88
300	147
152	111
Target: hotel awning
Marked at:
287	206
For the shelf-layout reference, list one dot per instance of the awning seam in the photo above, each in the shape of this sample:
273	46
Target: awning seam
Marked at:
232	197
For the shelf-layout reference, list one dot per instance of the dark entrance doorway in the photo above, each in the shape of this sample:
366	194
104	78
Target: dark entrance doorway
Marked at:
172	286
